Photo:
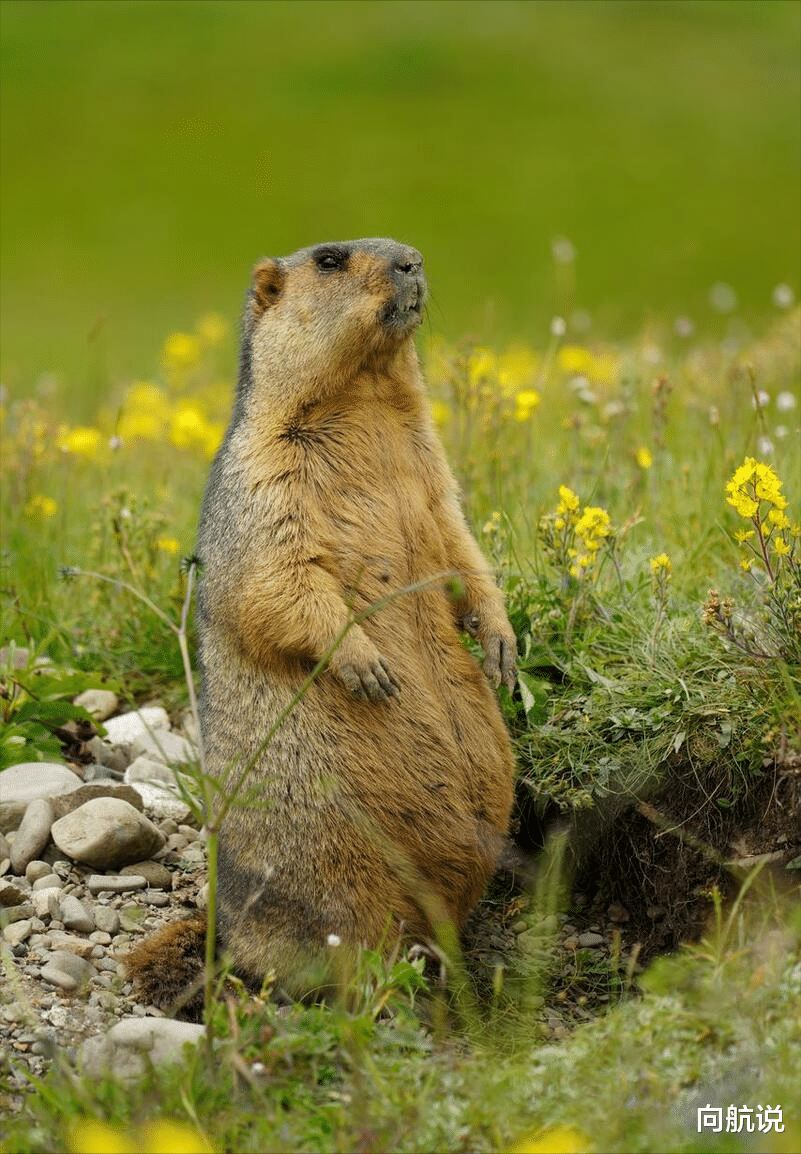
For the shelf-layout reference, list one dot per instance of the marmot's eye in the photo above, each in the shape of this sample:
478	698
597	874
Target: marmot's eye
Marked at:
331	259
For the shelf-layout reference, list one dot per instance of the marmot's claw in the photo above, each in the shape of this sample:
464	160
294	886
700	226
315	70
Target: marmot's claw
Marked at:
499	661
374	684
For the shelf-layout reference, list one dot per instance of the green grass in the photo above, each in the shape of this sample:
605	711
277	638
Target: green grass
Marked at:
153	151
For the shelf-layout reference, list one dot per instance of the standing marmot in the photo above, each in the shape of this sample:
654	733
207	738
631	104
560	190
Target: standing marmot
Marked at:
382	802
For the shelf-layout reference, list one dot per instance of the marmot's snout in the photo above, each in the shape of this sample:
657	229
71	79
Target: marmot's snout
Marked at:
406	272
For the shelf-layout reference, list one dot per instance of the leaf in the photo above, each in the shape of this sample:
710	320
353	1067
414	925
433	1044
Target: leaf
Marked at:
51	712
534	694
679	740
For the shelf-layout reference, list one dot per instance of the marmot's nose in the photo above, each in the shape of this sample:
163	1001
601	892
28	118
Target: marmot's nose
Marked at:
408	261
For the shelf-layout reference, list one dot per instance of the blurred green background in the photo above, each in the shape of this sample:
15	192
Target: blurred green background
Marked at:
152	150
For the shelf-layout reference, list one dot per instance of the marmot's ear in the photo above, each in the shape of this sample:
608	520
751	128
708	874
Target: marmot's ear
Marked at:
268	284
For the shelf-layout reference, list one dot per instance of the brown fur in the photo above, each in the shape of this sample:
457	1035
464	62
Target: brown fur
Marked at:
380	805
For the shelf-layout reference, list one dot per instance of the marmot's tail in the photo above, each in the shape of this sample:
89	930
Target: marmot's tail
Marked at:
167	968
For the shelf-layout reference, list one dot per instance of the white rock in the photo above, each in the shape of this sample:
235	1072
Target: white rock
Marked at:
46	902
161	803
59	940
107	833
150	770
100	703
20	784
32	835
37	869
107	920
163	745
124	729
131	1044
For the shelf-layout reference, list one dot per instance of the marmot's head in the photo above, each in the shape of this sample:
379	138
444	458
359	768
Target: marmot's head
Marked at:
334	309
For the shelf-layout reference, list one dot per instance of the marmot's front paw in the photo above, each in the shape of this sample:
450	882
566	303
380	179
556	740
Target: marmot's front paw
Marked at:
361	668
500	657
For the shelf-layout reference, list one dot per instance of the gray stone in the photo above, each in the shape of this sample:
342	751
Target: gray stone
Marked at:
156	875
133	1043
73	964
61	940
150	770
75	916
10	914
113	757
115	883
49	881
5	848
37	869
21	784
124	729
107	920
107	833
17	932
590	941
100	703
55	976
64	805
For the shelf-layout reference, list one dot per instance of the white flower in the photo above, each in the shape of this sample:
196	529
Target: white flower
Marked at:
558	327
760	400
785	402
722	297
783	296
683	327
334	940
764	446
562	250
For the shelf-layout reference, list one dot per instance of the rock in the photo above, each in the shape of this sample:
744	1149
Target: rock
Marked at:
100	703
157	787
10	914
67	970
47	882
590	941
37	869
5	848
113	757
149	770
46	902
17	932
107	920
115	883
133	1043
157	876
124	729
64	805
75	916
61	940
21	784
11	894
107	833
163	745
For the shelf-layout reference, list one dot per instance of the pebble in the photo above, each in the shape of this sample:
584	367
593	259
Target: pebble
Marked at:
11	894
107	920
134	1043
37	869
33	834
100	703
17	932
107	833
117	883
75	916
163	745
49	881
124	729
590	941
45	902
156	875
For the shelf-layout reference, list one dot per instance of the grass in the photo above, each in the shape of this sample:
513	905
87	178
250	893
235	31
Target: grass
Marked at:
632	695
153	152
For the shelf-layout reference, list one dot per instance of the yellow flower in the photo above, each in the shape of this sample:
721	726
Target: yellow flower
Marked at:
40	507
212	328
525	404
746	565
568	501
181	350
168	545
661	564
440	412
576	361
88	1136
643	457
593	526
480	365
779	519
743	535
82	441
145	413
781	547
189	428
752	483
558	1140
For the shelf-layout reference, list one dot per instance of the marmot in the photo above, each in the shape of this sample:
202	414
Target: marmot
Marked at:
380	806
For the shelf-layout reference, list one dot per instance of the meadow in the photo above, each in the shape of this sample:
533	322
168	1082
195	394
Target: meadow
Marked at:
606	195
